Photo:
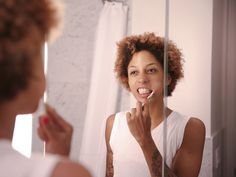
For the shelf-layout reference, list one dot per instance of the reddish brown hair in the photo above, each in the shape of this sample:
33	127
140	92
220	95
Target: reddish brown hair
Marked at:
24	25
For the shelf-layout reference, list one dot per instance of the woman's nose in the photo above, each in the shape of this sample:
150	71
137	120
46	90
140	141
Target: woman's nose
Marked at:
143	78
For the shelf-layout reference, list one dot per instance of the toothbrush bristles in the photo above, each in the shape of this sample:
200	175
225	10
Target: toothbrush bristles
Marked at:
150	95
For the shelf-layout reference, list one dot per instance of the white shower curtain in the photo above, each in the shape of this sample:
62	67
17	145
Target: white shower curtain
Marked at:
102	99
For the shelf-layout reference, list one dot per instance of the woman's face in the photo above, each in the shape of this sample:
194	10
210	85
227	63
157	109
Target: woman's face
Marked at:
145	74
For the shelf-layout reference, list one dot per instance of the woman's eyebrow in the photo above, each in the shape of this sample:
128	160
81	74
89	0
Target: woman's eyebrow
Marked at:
131	66
151	64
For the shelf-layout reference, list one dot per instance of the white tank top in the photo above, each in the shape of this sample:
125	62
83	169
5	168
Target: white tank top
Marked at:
128	158
13	164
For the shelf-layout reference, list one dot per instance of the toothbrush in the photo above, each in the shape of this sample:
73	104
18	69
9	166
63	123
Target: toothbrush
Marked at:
150	96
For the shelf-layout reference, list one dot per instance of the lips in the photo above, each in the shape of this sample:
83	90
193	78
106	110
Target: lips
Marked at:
144	91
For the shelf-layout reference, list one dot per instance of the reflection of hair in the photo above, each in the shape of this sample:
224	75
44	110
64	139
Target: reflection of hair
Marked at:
23	28
155	45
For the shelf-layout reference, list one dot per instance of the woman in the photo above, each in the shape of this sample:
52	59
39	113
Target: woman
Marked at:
135	139
24	26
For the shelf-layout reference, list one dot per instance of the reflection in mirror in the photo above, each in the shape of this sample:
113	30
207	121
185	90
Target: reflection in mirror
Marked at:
204	39
81	83
196	73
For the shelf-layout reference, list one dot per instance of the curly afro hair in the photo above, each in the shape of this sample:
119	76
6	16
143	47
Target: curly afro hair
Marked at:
24	26
155	45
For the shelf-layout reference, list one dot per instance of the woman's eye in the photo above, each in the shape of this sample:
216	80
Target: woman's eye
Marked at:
152	70
132	73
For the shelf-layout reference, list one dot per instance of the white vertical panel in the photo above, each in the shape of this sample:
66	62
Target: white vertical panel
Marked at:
22	136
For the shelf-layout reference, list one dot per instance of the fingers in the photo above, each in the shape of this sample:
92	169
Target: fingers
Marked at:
142	110
55	131
146	109
52	125
47	129
58	119
138	108
138	114
42	134
133	111
138	124
128	116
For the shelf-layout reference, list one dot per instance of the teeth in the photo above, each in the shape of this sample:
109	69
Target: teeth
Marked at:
144	91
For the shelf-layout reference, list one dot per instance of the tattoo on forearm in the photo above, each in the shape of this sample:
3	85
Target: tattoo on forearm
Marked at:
109	168
156	163
157	166
109	171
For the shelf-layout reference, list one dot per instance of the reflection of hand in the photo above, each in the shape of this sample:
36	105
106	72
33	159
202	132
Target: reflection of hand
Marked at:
56	132
139	123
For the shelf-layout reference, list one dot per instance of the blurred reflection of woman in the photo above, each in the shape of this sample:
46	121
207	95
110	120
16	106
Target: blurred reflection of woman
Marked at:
24	26
135	139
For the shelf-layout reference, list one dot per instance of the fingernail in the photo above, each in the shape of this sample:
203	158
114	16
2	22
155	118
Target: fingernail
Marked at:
44	120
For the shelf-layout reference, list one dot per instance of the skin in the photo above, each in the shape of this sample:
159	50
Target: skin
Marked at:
55	131
144	71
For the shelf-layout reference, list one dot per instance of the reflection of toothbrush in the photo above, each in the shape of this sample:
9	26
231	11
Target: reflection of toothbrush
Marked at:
150	96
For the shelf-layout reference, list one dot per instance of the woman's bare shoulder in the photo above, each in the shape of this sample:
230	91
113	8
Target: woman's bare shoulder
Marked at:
194	132
189	157
196	124
70	168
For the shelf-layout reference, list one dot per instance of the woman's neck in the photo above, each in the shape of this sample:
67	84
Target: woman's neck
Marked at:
156	110
7	122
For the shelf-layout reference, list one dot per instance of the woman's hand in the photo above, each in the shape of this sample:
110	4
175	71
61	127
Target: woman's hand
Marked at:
56	132
139	123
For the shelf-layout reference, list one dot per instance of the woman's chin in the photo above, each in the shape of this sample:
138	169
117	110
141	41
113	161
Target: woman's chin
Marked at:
29	109
141	99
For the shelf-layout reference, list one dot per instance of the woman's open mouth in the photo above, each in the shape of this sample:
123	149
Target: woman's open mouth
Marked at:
144	92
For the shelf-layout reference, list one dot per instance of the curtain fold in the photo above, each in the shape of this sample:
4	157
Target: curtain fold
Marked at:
102	100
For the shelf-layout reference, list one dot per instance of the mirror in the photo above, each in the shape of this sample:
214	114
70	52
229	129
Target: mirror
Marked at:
204	39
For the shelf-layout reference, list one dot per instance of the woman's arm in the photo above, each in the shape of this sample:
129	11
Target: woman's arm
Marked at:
109	160
139	123
154	160
56	132
188	159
